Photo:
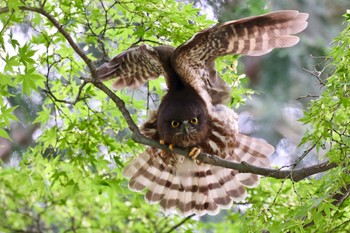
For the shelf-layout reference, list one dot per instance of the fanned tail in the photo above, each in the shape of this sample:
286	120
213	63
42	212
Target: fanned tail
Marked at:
199	189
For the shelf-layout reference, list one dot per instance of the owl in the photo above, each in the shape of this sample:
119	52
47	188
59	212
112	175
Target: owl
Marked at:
192	113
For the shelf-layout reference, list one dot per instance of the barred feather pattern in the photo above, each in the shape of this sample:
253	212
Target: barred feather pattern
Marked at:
133	67
174	181
178	183
193	61
252	36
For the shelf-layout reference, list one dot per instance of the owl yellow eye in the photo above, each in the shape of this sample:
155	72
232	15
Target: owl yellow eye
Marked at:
175	124
194	121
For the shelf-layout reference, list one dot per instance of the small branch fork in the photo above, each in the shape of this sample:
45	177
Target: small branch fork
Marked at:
293	174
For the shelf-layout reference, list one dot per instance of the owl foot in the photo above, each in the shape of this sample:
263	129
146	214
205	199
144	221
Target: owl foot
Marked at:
195	151
161	141
164	152
171	146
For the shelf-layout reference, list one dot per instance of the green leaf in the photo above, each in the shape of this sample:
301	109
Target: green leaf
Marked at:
43	116
4	134
11	62
14	5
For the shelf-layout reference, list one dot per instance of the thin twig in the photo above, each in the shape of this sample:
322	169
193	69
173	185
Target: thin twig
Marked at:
5	24
316	74
278	193
180	223
77	99
346	223
306	152
307	96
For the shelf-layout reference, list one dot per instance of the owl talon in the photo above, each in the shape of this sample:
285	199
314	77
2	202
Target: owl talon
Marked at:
195	151
199	163
163	153
171	146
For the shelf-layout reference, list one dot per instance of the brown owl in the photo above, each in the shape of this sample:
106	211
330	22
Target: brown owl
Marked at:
192	114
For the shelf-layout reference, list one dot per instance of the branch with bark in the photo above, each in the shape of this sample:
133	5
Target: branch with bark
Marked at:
243	167
293	174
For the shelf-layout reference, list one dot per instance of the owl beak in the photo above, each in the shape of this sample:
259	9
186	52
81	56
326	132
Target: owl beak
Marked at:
185	129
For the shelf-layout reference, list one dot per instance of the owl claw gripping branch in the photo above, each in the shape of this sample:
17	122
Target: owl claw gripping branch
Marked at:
193	154
192	115
171	147
165	153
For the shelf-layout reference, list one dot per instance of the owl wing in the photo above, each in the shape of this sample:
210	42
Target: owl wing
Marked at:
201	189
253	36
132	68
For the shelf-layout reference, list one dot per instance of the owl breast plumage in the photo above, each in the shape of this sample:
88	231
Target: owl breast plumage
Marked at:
192	114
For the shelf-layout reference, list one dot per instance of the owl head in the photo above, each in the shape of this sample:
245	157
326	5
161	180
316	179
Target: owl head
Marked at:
182	118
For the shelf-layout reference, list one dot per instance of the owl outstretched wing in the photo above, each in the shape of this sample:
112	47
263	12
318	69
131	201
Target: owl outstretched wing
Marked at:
134	67
257	35
193	61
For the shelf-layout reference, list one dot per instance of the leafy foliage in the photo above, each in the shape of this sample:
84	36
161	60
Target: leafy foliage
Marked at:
69	179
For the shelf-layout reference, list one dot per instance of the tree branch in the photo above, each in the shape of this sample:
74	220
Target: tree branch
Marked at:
243	167
293	174
342	195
